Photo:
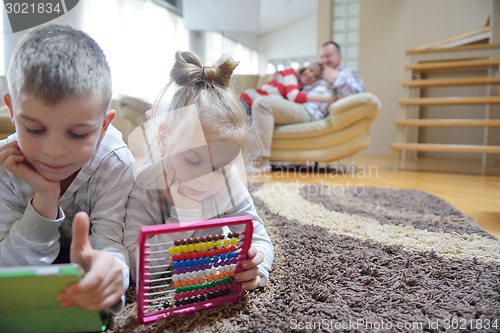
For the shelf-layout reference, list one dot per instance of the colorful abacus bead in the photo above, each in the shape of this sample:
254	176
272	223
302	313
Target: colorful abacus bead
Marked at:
201	267
204	267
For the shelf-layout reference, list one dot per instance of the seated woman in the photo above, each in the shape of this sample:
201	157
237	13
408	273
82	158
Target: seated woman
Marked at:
296	87
288	98
319	95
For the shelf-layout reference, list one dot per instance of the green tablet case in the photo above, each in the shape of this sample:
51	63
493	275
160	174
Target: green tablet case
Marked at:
28	301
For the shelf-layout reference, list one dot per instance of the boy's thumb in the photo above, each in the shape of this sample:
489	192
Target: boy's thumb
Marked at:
80	232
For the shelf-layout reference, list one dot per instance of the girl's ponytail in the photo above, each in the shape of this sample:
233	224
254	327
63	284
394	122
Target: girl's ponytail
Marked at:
188	70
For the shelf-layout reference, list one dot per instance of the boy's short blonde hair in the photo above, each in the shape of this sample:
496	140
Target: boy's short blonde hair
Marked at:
53	62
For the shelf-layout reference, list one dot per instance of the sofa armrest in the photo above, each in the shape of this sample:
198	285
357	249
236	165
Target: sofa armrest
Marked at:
129	114
350	109
6	126
240	82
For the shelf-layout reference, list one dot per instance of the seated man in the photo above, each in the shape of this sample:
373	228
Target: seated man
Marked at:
268	112
343	81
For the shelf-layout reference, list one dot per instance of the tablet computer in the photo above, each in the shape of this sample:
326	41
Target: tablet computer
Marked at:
28	301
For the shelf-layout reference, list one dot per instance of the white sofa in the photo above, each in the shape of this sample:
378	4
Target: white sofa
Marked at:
129	115
342	133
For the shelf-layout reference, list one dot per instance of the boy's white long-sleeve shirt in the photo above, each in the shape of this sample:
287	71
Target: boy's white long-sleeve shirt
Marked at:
149	207
101	189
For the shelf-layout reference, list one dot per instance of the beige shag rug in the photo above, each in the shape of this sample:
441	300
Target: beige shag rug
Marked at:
358	259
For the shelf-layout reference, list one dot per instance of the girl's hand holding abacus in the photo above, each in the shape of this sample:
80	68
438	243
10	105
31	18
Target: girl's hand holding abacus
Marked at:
251	275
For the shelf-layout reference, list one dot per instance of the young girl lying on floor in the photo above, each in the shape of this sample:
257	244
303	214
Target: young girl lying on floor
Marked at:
195	150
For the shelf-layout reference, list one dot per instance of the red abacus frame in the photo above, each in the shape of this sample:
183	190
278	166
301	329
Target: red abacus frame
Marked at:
193	297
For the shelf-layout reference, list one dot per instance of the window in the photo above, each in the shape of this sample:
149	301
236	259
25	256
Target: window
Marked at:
217	45
345	30
295	63
140	38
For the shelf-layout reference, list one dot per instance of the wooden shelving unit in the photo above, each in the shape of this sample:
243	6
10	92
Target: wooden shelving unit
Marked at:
433	58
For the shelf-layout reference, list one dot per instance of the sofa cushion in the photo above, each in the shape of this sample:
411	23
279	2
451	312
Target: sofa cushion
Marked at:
129	114
352	108
323	141
240	82
354	114
303	130
343	113
329	154
346	103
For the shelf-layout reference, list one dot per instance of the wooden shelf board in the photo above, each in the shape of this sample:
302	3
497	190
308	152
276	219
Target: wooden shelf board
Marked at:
465	81
457	49
433	66
448	122
446	148
423	101
479	34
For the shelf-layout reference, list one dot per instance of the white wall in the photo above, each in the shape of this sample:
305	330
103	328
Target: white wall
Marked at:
245	38
3	88
387	29
294	40
138	37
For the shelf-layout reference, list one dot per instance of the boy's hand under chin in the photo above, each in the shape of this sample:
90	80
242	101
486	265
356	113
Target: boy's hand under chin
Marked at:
12	158
250	276
45	200
102	285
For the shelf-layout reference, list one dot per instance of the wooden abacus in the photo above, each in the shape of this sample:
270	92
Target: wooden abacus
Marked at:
199	271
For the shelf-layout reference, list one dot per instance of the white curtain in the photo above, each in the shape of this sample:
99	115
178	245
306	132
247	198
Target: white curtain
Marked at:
140	38
217	45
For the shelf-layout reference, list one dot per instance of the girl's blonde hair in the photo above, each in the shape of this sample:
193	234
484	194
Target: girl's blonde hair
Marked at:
314	67
220	112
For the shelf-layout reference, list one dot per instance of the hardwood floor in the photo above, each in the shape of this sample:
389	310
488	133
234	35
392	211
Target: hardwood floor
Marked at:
477	196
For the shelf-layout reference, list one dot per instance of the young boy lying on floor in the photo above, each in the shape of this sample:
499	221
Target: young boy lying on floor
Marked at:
65	157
